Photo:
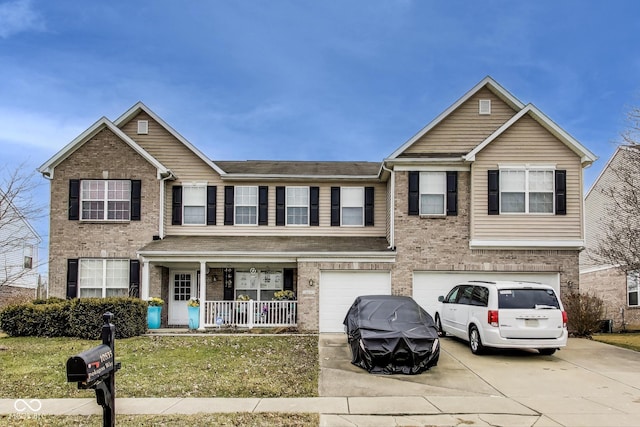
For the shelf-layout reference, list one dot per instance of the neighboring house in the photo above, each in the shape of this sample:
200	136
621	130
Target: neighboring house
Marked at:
618	290
491	189
18	253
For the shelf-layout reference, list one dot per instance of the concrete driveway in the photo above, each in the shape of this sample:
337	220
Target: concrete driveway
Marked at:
587	383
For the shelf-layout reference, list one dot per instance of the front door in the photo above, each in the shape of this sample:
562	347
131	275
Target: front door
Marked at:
181	289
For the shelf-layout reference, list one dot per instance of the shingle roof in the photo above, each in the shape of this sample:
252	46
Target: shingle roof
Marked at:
177	245
308	168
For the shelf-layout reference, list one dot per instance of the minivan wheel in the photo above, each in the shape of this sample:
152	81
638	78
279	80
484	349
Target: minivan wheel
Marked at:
439	327
546	351
475	343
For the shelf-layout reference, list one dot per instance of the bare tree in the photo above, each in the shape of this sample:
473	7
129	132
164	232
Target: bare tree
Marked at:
619	244
17	211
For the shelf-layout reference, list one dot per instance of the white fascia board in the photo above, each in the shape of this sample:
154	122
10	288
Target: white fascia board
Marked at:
597	268
139	106
18	214
48	167
527	244
501	92
586	156
432	168
279	177
266	257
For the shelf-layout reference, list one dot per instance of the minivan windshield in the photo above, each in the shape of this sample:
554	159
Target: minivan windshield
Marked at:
527	298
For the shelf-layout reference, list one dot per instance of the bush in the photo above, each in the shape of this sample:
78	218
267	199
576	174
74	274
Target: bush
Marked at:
80	318
585	313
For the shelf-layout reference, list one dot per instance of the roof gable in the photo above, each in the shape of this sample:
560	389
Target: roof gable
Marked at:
487	82
49	166
139	106
586	156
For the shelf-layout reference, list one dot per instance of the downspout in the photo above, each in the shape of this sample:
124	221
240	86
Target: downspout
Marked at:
169	175
392	202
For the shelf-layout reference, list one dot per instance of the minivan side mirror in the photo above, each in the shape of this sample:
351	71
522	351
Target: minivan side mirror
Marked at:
440	298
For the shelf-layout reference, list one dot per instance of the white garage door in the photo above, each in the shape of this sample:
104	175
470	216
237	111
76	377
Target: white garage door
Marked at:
338	290
428	285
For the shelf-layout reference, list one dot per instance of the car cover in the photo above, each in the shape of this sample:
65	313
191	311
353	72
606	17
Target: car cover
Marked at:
391	335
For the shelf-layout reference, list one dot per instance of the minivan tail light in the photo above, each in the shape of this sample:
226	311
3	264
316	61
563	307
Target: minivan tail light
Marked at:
492	317
565	319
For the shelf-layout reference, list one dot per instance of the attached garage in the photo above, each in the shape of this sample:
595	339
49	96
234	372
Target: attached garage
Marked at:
428	285
338	290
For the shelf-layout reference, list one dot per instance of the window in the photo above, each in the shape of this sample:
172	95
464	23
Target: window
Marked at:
194	204
433	190
526	191
258	285
297	205
352	199
103	278
106	200
28	257
246	212
633	288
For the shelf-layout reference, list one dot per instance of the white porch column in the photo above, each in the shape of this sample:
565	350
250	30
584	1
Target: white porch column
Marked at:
203	292
144	280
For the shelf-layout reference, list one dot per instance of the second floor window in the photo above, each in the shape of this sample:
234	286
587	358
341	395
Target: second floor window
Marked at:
433	189
297	205
352	199
526	191
246	205
194	204
108	200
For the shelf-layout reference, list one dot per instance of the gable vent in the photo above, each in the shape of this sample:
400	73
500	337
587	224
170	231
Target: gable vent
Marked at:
485	106
143	127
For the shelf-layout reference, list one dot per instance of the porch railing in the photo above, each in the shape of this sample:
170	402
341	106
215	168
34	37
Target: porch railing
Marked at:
250	313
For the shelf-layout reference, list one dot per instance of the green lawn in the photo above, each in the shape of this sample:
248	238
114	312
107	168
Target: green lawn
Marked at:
201	366
627	340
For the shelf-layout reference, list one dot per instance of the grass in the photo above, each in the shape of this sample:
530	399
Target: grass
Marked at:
240	419
627	340
200	366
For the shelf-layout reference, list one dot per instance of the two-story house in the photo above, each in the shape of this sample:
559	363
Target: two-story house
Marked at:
19	243
490	189
618	289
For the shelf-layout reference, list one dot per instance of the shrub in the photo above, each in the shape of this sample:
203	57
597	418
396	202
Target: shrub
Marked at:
585	313
81	318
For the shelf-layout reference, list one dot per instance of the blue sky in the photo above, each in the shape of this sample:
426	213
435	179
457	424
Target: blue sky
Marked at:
297	80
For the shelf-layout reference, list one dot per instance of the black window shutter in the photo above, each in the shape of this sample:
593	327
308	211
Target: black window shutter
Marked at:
561	192
228	204
280	205
228	282
335	206
74	199
452	193
176	205
414	193
368	206
136	193
494	192
314	208
211	204
134	278
287	279
72	278
263	205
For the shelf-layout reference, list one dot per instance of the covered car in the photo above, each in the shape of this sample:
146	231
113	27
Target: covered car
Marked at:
391	334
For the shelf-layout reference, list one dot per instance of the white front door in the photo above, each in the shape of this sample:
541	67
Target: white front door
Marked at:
182	287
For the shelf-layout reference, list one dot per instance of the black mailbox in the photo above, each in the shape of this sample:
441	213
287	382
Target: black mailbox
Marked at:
90	365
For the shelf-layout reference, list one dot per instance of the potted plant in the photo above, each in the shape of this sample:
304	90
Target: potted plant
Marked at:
193	305
154	312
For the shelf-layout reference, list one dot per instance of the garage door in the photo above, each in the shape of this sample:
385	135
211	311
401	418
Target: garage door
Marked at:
428	285
338	290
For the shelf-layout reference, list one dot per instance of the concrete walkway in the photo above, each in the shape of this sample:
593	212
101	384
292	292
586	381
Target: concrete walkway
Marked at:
587	384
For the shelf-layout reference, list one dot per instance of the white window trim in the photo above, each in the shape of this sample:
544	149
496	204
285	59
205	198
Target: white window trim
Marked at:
527	169
287	206
104	273
444	194
484	107
342	206
195	185
105	200
637	279
235	205
143	127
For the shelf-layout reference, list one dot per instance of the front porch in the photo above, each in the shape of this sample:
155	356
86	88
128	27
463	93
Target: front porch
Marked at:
249	314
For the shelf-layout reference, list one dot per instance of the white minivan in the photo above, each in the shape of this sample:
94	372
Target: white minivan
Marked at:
504	314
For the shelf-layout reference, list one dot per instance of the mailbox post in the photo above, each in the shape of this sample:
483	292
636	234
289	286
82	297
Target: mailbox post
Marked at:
96	369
